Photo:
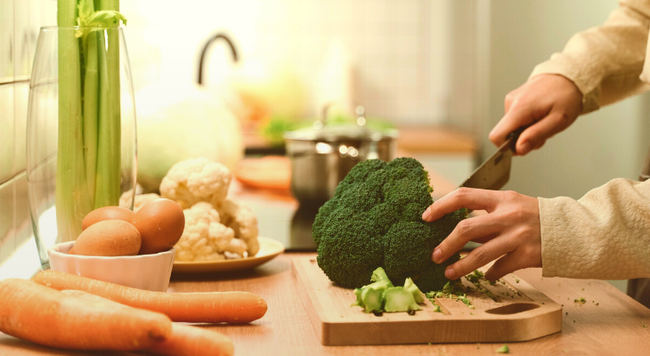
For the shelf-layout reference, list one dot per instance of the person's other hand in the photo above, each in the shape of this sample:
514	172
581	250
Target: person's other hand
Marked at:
510	229
549	103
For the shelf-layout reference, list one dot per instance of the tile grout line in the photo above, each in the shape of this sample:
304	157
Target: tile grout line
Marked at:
15	82
13	176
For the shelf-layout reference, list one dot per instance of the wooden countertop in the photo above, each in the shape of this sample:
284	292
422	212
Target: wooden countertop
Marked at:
428	139
616	326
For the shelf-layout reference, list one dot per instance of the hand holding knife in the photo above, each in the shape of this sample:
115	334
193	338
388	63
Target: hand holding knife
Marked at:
494	173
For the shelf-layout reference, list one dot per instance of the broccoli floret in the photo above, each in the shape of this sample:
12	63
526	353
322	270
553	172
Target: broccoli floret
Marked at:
433	277
375	220
349	256
408	247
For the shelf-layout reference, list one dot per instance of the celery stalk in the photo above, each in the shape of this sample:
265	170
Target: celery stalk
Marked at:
88	157
70	195
90	98
107	191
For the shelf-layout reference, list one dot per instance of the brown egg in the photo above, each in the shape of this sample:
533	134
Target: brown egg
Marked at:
109	238
161	223
107	213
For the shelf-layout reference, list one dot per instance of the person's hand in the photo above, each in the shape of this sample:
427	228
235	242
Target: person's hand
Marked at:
511	227
549	103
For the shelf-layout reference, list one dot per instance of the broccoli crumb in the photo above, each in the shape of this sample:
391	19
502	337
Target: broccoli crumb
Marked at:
436	308
503	350
597	304
517	280
580	300
452	290
644	324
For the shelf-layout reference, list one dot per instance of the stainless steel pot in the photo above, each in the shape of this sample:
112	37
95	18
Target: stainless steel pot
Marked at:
323	155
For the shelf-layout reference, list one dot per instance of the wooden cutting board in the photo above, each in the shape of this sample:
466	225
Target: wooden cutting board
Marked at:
519	313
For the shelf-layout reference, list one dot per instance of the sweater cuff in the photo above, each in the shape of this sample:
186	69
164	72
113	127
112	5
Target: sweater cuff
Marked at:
589	87
552	251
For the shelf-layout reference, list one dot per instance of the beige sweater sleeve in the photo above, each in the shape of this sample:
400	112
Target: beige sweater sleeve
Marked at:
604	235
607	62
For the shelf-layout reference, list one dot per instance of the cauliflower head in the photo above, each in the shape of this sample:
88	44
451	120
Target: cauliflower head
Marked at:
205	238
196	180
243	222
142	199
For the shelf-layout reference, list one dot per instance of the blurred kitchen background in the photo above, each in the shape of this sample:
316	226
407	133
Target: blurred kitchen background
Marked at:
436	70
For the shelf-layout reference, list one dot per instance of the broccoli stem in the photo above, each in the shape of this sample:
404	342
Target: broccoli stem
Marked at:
382	296
398	299
414	290
370	297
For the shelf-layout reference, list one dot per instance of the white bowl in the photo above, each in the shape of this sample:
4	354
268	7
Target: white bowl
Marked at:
150	272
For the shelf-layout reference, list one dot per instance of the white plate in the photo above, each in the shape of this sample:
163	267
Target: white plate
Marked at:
269	249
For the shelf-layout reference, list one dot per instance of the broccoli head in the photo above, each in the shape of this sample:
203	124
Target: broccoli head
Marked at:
375	220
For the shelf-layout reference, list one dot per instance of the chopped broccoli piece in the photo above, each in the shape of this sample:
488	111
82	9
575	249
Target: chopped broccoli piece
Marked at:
398	299
379	277
503	350
381	296
375	220
475	276
370	297
414	290
453	290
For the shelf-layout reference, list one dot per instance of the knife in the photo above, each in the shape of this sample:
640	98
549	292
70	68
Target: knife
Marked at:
495	172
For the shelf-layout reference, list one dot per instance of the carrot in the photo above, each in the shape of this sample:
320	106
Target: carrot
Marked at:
206	307
192	340
184	340
48	317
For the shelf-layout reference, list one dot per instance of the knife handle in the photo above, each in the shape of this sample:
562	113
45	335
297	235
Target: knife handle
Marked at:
514	136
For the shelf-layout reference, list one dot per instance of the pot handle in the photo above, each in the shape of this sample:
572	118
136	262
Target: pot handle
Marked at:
359	110
214	38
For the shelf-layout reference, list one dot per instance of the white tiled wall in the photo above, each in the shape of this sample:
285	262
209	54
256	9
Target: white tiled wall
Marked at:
19	24
400	50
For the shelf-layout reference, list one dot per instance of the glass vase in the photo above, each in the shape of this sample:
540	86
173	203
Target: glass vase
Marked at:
81	130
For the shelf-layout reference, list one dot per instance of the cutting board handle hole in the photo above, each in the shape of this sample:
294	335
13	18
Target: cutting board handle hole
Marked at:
513	308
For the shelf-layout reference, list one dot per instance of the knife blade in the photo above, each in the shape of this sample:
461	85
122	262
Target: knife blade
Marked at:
494	173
